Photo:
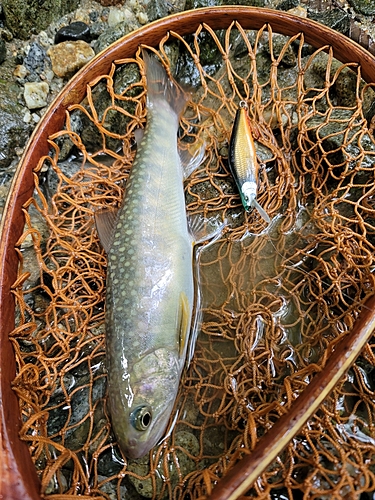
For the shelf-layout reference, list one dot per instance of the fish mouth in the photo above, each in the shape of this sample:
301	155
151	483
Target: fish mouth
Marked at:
137	446
133	450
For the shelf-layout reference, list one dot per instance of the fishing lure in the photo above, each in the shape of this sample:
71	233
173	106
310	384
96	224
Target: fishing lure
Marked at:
243	161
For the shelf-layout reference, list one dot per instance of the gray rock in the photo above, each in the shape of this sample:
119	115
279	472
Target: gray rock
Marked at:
336	19
157	9
113	33
344	87
287	4
14	132
342	146
115	121
34	59
279	42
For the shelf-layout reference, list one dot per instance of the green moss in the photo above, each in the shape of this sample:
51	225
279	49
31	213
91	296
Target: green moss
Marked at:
366	7
26	18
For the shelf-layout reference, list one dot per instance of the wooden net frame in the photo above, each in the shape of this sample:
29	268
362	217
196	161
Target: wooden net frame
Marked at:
275	300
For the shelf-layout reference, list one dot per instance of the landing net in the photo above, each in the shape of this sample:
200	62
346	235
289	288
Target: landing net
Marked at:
275	299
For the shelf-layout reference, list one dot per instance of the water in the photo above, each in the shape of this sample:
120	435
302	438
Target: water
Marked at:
273	297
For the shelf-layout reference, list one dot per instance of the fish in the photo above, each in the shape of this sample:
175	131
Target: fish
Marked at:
150	280
243	162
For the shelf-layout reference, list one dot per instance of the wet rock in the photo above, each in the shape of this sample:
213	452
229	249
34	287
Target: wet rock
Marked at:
157	9
113	33
14	132
112	491
145	487
35	94
69	57
366	7
25	18
287	4
74	31
3	51
340	143
115	121
336	19
278	44
344	86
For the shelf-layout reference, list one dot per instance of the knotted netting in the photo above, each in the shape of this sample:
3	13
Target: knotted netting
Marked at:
275	299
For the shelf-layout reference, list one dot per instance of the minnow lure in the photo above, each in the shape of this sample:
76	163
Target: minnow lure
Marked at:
243	161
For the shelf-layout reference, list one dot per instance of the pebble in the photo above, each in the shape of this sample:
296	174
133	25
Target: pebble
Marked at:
74	31
68	57
20	72
117	16
27	116
35	94
298	11
142	18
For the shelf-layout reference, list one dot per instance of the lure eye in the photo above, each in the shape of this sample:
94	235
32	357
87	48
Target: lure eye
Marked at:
141	418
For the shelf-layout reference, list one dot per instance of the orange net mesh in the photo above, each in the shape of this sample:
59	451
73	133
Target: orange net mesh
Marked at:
275	299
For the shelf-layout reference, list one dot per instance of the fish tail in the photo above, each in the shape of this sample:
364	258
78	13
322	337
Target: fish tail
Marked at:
261	211
161	87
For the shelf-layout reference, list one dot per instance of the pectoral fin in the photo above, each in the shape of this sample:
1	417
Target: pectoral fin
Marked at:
183	322
105	221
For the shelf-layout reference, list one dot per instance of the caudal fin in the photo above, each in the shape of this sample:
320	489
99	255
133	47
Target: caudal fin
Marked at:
160	86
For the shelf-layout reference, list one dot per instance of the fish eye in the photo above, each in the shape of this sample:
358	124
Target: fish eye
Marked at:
141	418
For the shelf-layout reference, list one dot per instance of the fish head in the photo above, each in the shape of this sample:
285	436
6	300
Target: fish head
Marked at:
141	419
